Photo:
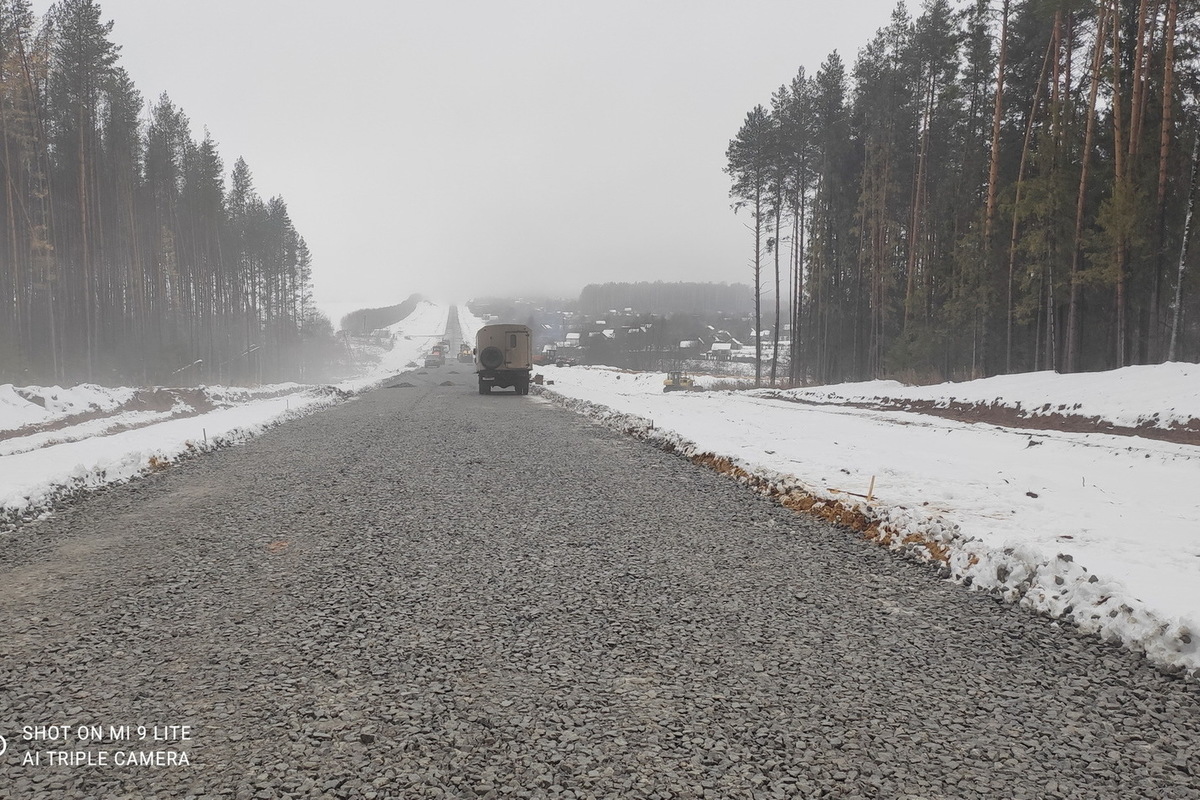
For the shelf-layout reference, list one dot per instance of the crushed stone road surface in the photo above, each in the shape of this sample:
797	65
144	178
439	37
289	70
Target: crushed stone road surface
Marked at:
428	593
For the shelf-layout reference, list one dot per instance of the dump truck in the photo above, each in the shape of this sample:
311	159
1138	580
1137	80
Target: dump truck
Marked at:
504	357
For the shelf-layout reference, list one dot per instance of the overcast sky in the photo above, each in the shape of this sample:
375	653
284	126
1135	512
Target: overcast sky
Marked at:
463	147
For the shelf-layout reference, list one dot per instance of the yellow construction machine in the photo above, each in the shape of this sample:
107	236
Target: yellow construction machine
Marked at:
678	382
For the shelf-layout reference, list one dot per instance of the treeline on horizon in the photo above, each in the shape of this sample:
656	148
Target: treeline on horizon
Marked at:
661	297
997	187
365	320
123	256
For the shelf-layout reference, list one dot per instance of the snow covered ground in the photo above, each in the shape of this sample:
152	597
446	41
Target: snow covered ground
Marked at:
469	323
55	442
412	338
64	453
1099	529
1162	395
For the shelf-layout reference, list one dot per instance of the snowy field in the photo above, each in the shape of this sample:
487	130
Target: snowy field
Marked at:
1098	529
55	442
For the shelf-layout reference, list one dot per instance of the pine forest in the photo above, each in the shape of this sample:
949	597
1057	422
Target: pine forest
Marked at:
124	258
992	186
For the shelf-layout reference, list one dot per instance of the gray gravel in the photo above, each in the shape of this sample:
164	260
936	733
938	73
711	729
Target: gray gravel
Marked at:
429	593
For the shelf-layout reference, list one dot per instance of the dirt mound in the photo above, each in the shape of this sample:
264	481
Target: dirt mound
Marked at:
159	399
1008	417
1039	420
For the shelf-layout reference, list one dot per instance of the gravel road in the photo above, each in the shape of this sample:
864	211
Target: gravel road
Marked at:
425	592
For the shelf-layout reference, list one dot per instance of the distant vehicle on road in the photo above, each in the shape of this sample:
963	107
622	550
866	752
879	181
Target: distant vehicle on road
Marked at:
464	353
679	382
504	357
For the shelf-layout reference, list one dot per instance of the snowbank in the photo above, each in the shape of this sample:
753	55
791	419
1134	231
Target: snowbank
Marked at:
468	322
412	337
29	405
34	479
1162	395
56	442
1096	529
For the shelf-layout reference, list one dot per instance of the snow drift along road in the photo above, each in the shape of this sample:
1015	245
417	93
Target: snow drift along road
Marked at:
1098	529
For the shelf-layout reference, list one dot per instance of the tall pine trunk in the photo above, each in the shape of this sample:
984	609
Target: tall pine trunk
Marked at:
992	190
1072	354
1012	241
1177	313
1164	154
758	289
778	292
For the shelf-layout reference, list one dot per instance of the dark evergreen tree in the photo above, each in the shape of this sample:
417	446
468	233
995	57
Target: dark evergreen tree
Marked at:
749	162
1000	187
83	61
121	257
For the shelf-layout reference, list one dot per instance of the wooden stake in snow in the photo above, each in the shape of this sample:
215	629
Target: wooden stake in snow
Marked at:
871	489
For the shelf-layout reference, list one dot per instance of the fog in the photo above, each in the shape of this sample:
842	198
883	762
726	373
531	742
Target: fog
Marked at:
465	148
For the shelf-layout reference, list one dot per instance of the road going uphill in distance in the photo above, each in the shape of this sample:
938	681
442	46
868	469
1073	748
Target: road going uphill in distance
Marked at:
425	592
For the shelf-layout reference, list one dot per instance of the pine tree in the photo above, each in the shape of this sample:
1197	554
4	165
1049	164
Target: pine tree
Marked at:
1023	166
835	326
800	151
748	160
84	57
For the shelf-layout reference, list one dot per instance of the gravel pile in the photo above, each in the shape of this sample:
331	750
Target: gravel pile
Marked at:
432	593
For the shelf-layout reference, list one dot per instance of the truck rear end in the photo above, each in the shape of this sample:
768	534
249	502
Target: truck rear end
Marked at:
504	357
